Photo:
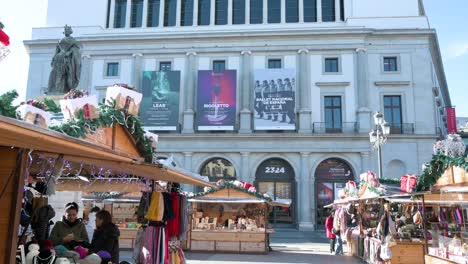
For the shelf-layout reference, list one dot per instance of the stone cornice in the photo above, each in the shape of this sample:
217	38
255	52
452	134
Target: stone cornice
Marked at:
392	83
332	84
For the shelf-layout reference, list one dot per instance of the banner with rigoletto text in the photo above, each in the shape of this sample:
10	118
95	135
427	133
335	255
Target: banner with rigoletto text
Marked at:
216	100
275	99
160	105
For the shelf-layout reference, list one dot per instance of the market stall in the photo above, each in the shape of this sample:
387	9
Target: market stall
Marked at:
230	218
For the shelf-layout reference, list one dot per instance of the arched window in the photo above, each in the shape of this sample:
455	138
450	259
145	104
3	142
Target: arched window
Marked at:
334	169
217	169
395	169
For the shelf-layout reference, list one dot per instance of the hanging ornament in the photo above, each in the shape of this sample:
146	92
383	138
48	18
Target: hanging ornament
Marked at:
4	43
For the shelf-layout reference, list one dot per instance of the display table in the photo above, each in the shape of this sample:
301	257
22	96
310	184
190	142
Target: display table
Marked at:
436	260
127	237
228	241
406	252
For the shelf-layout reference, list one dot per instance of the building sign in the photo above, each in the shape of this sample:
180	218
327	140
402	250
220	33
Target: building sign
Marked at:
275	99
451	120
334	169
216	100
160	104
275	168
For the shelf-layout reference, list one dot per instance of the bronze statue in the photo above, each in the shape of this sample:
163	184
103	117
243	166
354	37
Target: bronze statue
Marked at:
66	64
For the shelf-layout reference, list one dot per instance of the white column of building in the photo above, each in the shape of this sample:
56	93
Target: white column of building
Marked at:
303	89
301	11
161	13
337	10
283	11
265	11
229	16
137	69
319	10
247	12
144	19
188	166
178	12
195	12
111	14
189	113
212	12
364	162
363	112
128	13
245	113
245	175
305	218
85	73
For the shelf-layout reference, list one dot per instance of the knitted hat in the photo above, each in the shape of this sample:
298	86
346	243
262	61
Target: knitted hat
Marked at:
33	251
45	257
33	247
62	261
82	251
46	244
93	259
60	250
104	255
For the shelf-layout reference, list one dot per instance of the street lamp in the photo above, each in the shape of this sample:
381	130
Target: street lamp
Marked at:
378	136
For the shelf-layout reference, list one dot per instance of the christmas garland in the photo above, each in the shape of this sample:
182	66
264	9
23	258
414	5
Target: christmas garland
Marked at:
229	185
108	117
390	181
6	104
436	167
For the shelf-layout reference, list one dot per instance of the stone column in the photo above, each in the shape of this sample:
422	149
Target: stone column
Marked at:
305	218
137	70
111	14
229	15
319	10
190	71
161	13
337	10
245	165
247	12
86	73
246	91
301	11
144	18
303	90
195	12
212	12
178	12
265	11
283	11
188	166
364	163
128	12
363	112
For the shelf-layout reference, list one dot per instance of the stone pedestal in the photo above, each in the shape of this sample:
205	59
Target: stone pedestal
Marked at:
305	121
189	116
364	120
245	121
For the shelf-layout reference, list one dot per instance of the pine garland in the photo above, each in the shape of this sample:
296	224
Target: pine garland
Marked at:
51	106
390	181
229	185
6	104
436	167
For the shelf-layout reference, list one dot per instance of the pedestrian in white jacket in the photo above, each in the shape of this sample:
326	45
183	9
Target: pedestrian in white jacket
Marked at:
91	225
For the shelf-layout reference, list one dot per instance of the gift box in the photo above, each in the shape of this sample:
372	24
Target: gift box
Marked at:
71	107
34	115
153	138
370	177
125	99
408	182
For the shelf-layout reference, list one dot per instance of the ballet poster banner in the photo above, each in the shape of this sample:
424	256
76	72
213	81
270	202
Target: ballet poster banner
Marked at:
216	100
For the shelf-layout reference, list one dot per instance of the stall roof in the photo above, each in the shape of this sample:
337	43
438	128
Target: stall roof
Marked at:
19	134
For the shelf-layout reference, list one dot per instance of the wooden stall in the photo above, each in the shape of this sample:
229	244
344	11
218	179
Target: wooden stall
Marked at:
229	220
21	143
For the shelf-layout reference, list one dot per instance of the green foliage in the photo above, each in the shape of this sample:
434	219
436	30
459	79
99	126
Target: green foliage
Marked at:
436	167
390	181
51	106
6	104
230	185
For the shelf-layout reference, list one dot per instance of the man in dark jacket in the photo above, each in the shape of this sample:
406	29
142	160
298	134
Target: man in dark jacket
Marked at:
106	236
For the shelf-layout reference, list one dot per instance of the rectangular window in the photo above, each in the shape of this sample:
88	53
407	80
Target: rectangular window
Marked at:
393	113
137	13
153	13
310	10
328	10
219	65
120	13
390	64
204	7
186	13
331	65
342	10
108	13
221	12
165	66
333	114
274	64
274	11
292	11
256	11
112	69
238	12
170	9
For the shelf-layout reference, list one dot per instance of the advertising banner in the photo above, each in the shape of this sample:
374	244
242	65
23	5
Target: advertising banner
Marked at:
216	100
451	120
160	105
275	99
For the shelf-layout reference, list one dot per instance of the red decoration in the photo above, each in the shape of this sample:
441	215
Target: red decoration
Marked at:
451	120
4	38
408	182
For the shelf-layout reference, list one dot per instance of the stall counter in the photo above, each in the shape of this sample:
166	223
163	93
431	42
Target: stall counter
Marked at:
228	241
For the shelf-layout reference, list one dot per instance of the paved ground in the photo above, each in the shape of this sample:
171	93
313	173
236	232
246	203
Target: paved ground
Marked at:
289	246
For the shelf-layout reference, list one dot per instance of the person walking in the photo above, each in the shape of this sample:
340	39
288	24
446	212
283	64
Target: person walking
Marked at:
337	221
91	224
329	229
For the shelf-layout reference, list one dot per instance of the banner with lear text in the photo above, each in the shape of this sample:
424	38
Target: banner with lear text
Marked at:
216	100
451	120
160	105
275	99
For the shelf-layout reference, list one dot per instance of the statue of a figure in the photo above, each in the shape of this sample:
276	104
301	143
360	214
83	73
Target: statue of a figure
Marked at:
66	64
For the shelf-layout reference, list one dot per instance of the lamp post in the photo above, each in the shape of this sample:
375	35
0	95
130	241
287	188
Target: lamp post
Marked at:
378	136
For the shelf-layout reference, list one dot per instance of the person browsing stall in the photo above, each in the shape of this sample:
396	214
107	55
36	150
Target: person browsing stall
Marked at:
71	231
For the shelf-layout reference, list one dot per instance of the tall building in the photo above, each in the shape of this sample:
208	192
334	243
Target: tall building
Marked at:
276	92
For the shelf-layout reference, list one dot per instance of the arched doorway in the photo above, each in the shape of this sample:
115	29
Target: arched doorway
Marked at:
331	176
217	169
276	177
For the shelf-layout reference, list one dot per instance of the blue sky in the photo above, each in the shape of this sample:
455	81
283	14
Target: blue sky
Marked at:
446	16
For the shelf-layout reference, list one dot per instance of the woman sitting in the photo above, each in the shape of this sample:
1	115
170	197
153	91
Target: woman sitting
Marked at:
70	232
106	236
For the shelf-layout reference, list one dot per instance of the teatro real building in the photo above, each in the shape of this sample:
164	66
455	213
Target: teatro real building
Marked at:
276	92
